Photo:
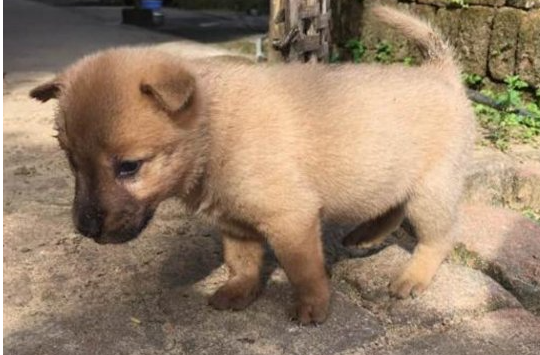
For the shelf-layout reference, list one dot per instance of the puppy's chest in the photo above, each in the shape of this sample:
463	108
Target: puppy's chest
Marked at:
208	210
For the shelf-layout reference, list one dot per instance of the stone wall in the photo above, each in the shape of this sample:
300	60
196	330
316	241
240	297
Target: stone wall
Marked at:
494	38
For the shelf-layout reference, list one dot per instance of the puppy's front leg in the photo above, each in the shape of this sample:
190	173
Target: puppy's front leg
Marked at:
297	244
244	259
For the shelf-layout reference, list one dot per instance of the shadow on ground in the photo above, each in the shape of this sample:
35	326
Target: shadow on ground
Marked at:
65	294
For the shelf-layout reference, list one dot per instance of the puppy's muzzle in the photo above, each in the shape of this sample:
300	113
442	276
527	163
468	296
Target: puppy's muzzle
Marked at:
89	222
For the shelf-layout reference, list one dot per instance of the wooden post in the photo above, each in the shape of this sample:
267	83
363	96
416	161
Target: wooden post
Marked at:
301	30
326	34
275	30
291	21
311	31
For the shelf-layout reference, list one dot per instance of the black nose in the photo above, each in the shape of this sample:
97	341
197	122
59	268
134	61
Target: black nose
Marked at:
90	222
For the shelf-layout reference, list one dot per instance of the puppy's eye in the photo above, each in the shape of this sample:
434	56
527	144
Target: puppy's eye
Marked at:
128	168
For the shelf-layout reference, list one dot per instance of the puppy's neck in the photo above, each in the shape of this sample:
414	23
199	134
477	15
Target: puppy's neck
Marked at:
196	191
192	184
194	187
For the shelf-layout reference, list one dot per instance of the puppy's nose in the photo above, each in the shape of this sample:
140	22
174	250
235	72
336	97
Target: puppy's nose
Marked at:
90	223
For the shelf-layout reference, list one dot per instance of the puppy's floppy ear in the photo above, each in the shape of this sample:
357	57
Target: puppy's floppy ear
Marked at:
47	91
172	90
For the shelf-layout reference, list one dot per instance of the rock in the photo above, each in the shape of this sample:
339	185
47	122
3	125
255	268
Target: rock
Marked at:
447	3
489	178
439	3
473	38
499	179
505	245
447	21
455	292
524	4
494	38
504	41
528	54
425	12
493	3
527	186
508	331
526	153
374	32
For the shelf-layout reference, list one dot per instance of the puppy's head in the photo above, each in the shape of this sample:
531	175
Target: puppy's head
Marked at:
127	120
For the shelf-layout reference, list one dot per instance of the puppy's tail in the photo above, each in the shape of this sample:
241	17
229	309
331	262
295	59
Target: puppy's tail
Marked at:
432	45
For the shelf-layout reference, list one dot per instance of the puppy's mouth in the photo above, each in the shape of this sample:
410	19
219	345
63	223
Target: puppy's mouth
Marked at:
126	234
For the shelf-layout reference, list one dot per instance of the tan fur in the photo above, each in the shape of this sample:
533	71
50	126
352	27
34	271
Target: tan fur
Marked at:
268	152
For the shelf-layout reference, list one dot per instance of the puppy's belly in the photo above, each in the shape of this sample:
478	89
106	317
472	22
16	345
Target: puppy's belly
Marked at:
358	204
355	212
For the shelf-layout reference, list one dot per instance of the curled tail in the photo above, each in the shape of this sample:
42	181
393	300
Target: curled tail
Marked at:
432	45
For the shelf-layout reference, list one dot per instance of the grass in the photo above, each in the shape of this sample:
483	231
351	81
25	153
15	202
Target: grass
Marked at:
356	49
458	3
532	214
384	52
516	120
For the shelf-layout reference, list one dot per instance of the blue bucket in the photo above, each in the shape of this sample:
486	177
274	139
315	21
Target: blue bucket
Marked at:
151	4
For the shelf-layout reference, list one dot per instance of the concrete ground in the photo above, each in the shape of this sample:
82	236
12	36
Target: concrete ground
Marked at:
46	38
64	294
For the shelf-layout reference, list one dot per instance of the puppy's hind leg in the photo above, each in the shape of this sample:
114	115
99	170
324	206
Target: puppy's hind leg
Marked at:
374	232
433	214
244	259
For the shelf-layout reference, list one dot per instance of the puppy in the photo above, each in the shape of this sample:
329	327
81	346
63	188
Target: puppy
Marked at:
267	152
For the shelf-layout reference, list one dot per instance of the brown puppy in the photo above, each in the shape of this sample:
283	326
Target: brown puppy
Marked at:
266	152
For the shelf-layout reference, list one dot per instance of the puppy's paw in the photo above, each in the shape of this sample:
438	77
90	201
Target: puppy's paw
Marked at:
409	284
234	296
311	312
